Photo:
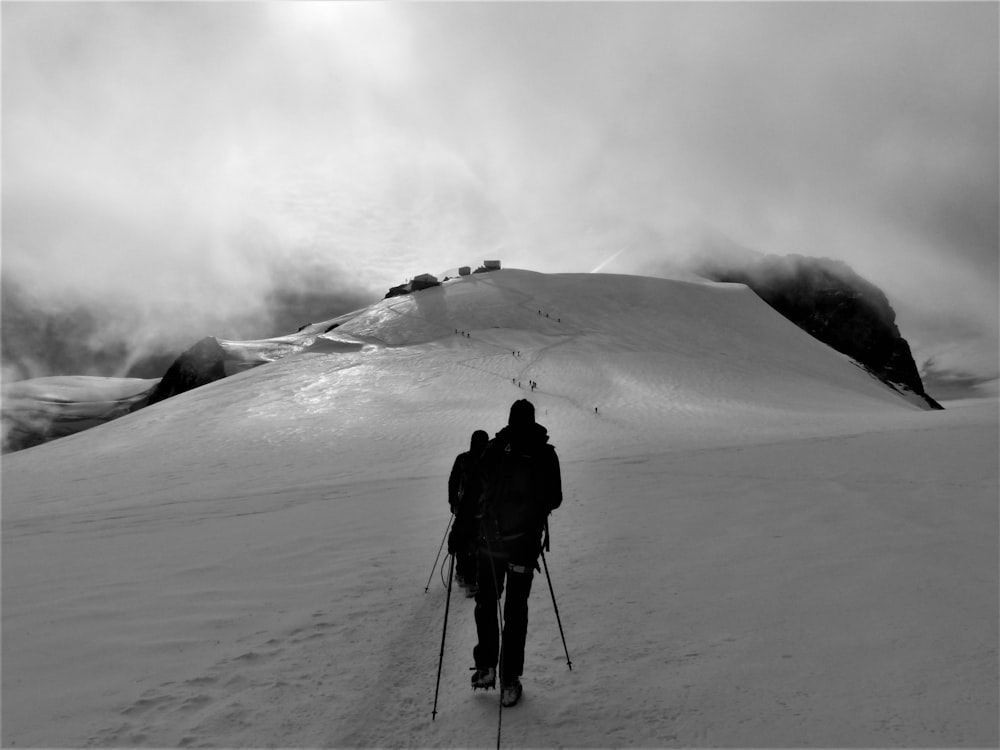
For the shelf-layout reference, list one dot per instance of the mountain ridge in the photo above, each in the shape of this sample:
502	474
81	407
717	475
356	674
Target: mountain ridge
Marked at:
633	315
830	301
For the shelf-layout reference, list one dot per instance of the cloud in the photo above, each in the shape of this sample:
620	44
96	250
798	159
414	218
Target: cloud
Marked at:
951	384
208	148
786	125
143	182
860	132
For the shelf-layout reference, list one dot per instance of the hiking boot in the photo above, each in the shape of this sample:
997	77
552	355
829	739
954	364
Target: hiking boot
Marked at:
510	692
484	678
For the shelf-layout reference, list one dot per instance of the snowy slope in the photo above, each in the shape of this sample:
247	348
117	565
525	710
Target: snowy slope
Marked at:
760	544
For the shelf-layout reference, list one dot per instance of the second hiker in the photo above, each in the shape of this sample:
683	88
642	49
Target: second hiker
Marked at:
464	489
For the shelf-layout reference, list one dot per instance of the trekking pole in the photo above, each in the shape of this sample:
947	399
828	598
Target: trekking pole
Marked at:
556	608
499	659
444	630
446	529
496	591
444	581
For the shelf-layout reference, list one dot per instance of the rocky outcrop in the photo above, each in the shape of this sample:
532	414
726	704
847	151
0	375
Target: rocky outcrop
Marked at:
203	363
398	291
830	301
423	281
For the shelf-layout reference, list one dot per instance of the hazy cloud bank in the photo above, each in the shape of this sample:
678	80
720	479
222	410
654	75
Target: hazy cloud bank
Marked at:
185	159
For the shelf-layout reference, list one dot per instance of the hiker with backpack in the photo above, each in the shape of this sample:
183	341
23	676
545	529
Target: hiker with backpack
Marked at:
464	489
521	486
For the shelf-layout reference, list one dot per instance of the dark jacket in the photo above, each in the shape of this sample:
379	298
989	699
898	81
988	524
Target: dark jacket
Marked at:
464	490
464	485
521	486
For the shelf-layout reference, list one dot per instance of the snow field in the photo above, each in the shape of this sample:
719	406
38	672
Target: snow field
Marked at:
759	545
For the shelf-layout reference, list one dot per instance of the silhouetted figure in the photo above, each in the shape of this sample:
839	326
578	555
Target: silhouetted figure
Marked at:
521	486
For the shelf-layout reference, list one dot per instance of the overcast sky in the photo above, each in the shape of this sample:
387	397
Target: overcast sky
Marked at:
166	157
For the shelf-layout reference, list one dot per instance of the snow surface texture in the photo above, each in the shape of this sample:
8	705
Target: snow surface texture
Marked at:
760	544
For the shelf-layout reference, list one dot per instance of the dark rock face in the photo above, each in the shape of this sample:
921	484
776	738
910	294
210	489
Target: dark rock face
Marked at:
827	299
398	291
425	281
202	363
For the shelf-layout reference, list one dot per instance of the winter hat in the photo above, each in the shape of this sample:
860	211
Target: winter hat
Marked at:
479	440
522	413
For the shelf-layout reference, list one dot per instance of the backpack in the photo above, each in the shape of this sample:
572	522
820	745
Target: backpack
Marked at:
512	506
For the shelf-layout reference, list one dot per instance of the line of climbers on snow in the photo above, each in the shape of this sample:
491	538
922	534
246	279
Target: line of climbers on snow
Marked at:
501	492
532	384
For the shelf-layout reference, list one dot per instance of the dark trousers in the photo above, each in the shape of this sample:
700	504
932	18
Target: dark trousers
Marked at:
491	577
465	566
462	544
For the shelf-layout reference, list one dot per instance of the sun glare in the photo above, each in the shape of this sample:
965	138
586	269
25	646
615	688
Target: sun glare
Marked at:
366	37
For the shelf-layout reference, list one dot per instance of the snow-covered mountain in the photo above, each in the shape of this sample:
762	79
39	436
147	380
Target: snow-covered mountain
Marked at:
761	544
35	411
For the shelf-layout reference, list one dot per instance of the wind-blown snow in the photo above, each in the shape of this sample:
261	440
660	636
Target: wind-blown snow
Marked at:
760	545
